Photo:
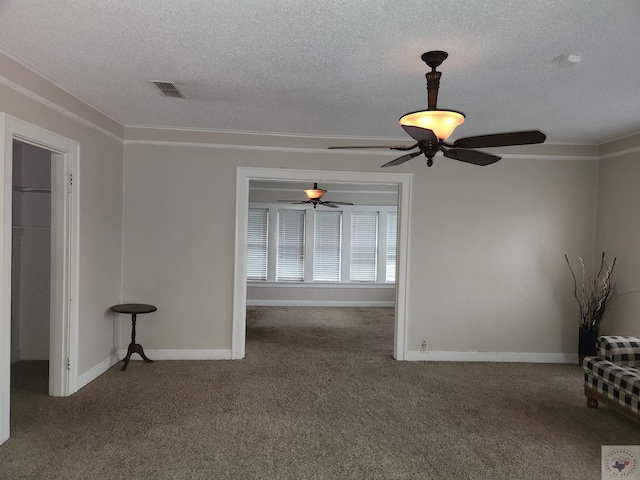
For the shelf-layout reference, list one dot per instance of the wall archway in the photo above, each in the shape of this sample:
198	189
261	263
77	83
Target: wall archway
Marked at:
244	175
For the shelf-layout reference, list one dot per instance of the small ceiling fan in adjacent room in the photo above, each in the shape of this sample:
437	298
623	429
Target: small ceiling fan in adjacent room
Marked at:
431	128
314	196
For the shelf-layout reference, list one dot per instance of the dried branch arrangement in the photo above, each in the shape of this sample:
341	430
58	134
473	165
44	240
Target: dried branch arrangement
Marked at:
594	295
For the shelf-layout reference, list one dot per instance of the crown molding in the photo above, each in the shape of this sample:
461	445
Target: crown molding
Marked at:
54	106
205	138
620	153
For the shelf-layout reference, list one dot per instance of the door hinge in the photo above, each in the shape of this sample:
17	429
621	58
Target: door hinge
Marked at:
68	364
71	179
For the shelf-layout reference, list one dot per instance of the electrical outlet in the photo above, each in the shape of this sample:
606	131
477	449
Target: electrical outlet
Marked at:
424	345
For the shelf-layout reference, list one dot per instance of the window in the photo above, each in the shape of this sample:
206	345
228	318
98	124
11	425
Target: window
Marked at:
392	234
290	245
302	244
257	244
327	246
364	246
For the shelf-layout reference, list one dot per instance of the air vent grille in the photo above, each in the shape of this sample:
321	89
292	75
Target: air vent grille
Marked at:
168	89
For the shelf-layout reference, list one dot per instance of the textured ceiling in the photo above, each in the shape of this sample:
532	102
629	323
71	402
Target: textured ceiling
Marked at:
338	68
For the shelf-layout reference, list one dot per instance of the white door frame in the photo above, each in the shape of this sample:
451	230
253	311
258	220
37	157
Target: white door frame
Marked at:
245	174
63	352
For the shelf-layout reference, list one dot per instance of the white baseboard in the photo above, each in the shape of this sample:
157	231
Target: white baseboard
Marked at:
33	354
431	356
318	303
93	373
180	354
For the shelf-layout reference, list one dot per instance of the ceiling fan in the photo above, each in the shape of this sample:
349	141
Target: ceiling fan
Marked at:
314	196
431	128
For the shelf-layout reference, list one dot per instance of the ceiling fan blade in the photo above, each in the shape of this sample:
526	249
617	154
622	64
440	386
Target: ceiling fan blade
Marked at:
401	159
294	201
328	204
390	147
471	156
526	137
421	135
341	203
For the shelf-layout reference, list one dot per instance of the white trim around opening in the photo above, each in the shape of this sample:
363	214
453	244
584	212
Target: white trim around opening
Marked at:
245	174
63	360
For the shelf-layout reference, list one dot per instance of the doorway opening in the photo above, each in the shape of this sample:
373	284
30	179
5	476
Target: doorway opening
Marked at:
243	178
317	270
62	348
31	266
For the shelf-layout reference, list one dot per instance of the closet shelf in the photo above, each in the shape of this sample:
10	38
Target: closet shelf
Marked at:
31	226
31	190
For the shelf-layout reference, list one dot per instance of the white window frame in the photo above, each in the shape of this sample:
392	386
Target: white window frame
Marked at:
266	244
384	247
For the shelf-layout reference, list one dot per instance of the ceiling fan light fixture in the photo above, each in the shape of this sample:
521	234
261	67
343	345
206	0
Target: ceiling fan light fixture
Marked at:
314	193
441	122
432	127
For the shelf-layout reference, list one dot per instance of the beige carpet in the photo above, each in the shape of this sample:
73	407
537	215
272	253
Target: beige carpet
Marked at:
317	397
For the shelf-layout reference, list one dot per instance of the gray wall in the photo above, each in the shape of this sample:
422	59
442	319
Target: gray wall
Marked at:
486	266
358	194
321	295
618	230
100	181
486	270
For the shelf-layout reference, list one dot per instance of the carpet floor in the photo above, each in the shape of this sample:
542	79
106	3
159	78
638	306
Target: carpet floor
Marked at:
318	396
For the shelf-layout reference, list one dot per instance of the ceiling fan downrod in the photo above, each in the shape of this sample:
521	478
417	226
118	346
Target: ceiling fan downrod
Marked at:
433	59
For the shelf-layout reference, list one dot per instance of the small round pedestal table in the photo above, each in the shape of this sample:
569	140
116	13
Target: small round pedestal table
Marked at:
134	309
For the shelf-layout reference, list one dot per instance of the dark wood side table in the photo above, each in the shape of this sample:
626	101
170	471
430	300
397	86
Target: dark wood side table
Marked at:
134	309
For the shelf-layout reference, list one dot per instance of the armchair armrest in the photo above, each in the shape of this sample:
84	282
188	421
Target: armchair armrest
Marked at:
620	350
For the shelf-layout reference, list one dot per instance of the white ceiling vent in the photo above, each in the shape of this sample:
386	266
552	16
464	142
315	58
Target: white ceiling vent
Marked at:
168	89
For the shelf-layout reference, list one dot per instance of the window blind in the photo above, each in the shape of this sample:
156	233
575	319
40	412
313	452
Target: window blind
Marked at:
257	244
364	246
392	235
327	243
290	245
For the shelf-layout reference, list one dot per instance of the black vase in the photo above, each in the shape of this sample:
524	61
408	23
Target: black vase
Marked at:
587	343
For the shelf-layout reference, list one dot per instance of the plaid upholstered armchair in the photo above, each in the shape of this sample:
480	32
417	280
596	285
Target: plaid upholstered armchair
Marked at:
613	376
